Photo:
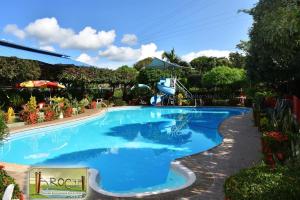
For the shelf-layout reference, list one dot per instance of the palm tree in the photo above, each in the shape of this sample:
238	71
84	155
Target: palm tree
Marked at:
171	56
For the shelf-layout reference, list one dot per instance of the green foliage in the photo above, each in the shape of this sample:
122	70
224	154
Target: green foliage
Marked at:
84	102
3	127
224	76
6	180
262	183
142	63
119	102
126	75
31	104
265	124
16	100
171	56
274	52
237	60
204	64
13	70
118	94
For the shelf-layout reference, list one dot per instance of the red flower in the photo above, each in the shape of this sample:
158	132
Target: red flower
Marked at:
277	136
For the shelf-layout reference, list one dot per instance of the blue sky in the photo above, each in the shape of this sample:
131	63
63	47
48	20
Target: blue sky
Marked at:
115	32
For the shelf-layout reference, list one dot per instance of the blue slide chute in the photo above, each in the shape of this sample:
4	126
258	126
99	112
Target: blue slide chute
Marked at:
165	86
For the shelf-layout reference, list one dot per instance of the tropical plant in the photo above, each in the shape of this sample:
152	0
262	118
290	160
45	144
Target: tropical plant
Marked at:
171	56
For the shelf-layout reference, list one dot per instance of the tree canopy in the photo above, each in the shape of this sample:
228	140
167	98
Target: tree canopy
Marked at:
224	76
203	63
274	52
13	70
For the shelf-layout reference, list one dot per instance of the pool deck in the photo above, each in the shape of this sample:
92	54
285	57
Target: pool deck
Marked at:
240	149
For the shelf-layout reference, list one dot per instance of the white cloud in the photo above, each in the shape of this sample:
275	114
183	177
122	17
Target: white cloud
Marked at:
89	38
48	48
150	50
14	30
85	58
48	31
129	39
209	53
114	53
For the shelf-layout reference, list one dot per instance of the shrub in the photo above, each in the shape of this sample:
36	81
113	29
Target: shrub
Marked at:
5	181
68	112
84	102
10	115
118	94
41	117
31	104
119	102
49	115
16	100
262	183
32	118
3	127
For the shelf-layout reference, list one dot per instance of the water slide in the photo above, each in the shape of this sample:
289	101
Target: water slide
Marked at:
167	87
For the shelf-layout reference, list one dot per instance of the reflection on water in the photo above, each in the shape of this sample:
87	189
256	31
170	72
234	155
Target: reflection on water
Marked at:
131	148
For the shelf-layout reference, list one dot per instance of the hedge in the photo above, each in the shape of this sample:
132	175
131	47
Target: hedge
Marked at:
263	183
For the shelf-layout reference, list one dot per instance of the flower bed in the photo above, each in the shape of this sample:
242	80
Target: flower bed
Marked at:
274	147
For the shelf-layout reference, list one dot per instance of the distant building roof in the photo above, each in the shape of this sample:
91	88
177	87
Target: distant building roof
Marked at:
9	49
161	64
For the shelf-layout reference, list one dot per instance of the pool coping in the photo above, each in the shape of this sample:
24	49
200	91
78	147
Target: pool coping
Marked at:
178	161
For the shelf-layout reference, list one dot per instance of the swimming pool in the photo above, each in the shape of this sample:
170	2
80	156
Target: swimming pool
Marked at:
132	147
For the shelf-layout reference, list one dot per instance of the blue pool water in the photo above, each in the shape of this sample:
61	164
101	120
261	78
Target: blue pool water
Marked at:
131	148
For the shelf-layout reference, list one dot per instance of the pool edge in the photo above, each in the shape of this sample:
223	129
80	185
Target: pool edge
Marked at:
175	165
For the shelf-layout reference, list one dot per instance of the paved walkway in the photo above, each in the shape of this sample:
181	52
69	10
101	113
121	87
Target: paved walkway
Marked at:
240	149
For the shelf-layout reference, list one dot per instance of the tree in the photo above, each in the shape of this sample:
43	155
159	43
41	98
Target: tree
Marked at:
171	56
150	76
237	60
14	70
203	64
274	52
126	76
142	63
224	76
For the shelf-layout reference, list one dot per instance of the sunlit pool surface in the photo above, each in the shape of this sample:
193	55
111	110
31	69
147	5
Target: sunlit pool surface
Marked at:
132	148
